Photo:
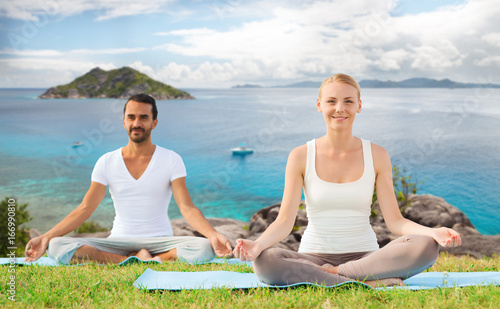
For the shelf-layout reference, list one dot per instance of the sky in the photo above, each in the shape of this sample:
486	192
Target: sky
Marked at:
222	43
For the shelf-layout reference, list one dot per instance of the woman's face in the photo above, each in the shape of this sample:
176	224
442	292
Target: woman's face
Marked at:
339	104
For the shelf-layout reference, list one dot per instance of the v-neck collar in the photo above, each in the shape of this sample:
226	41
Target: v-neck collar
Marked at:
147	167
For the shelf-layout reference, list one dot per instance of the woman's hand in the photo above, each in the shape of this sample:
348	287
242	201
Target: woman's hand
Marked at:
446	237
247	250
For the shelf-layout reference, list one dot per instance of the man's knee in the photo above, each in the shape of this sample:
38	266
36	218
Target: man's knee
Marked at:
196	251
206	252
61	249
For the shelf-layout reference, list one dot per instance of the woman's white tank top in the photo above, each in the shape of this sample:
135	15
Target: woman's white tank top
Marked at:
338	213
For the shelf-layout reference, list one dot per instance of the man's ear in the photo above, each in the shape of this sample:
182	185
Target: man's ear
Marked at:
155	122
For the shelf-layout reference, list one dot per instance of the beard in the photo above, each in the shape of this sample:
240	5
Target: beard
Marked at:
140	138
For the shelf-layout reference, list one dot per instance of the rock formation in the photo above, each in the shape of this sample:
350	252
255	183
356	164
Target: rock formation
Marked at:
427	210
120	83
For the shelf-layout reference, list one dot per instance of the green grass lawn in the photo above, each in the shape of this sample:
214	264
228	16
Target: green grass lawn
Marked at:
110	286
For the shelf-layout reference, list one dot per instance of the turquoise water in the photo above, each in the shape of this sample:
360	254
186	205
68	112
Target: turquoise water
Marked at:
449	138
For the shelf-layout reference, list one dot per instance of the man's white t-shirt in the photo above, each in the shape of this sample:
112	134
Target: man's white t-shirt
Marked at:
140	204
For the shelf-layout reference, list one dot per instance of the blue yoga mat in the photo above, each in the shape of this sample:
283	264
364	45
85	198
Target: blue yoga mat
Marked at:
166	280
46	261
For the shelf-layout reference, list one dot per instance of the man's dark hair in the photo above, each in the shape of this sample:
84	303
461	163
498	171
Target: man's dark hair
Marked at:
143	98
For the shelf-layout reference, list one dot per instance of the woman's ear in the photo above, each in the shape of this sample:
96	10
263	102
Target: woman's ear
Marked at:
359	107
318	105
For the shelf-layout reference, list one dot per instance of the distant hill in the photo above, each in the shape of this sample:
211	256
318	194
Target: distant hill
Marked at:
421	83
306	84
247	86
407	83
119	83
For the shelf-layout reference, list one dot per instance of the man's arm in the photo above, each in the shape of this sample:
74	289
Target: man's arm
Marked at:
37	246
196	219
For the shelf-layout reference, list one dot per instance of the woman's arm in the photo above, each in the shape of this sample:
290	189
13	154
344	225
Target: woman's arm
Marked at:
396	223
248	250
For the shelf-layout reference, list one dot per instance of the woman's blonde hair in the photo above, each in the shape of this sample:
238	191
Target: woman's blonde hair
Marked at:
341	78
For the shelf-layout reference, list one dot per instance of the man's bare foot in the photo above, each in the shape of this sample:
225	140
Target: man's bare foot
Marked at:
385	282
158	259
144	255
329	268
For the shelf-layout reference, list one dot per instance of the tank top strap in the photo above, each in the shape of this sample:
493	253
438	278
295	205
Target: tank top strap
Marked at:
368	158
310	161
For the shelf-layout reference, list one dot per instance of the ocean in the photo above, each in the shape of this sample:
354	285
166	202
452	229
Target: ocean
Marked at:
447	138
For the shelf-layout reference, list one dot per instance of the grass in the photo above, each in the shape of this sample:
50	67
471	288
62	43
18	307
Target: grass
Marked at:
95	286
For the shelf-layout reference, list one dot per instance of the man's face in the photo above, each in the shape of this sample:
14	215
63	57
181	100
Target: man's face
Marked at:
138	121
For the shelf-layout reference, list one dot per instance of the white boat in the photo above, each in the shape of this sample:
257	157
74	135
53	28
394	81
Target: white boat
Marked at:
241	150
77	144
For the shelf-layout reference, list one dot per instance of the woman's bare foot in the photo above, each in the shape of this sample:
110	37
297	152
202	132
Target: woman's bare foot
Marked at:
384	282
373	283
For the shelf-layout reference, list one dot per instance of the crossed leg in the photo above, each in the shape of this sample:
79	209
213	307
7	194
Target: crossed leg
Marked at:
400	259
193	250
91	254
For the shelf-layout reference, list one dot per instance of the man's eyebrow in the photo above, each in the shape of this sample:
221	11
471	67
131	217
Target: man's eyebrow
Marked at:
140	115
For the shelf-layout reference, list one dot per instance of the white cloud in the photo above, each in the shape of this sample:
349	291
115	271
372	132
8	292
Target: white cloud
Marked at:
34	9
389	60
146	69
292	41
31	53
437	57
60	65
324	37
492	38
488	61
44	72
112	51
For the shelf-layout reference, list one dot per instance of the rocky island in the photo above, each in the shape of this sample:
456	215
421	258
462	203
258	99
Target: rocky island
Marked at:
119	83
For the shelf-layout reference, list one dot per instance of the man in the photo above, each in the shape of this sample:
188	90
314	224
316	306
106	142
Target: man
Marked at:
141	178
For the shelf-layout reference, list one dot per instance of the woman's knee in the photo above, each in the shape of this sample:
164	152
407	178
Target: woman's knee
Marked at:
266	258
428	248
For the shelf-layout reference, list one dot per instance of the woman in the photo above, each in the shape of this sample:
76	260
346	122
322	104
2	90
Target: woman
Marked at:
339	172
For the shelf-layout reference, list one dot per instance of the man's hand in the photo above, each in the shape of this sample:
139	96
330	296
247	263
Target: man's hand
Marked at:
221	245
35	248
